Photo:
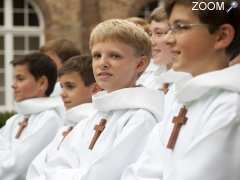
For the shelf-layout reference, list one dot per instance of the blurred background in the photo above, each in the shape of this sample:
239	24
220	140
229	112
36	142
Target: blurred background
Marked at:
25	25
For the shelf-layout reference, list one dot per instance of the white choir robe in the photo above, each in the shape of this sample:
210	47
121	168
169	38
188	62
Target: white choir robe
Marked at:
131	113
44	118
148	78
207	147
57	90
73	116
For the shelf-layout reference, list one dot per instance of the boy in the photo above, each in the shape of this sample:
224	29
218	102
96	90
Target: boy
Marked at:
161	54
37	120
199	134
59	50
78	84
101	146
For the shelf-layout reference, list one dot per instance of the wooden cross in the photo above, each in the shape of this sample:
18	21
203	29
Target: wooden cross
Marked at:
22	126
178	122
165	88
98	130
65	133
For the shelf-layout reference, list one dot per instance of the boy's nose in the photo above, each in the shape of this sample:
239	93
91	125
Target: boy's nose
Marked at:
104	64
14	85
169	38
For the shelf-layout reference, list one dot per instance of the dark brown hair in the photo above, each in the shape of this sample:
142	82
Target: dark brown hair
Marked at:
39	65
80	64
214	19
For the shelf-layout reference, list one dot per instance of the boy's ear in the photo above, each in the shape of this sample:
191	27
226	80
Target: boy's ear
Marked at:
96	88
225	36
142	64
43	84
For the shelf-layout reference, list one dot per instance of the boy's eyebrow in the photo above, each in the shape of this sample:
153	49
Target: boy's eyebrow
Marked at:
180	21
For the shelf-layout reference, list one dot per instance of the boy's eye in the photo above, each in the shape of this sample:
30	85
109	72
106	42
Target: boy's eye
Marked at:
115	56
19	78
96	56
68	86
180	27
159	33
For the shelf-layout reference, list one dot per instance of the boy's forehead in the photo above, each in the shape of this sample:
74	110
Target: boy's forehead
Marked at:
181	12
70	75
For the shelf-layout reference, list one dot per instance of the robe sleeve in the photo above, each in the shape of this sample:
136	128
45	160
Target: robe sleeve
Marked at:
149	164
16	158
128	145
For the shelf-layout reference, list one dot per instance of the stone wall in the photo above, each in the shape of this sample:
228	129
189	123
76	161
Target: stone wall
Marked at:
74	19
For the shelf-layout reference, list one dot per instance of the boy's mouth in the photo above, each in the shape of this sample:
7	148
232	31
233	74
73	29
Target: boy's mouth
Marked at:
175	52
104	75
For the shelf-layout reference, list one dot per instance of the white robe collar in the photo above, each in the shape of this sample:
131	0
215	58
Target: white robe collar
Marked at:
197	87
37	105
78	113
172	76
130	98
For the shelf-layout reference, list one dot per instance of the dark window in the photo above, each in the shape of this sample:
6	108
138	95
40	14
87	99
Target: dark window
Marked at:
18	19
18	4
33	19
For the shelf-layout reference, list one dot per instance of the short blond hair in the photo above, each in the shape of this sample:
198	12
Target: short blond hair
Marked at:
122	31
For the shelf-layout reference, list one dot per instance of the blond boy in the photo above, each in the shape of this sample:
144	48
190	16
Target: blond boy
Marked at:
102	146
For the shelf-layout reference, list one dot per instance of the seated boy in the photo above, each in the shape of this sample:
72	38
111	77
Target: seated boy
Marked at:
37	120
78	85
161	53
59	50
199	134
103	145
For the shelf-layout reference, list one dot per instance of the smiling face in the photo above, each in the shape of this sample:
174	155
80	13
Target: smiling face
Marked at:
25	86
74	91
193	47
160	50
116	65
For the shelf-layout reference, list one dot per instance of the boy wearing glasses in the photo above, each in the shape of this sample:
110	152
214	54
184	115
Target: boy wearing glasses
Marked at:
161	54
199	135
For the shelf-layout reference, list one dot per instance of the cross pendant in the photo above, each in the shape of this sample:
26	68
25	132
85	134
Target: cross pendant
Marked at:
65	133
178	121
165	88
98	130
22	126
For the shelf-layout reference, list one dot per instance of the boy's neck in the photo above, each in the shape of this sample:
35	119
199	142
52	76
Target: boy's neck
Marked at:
216	62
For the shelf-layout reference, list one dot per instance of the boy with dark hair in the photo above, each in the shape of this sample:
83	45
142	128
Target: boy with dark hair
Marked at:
37	120
60	50
198	137
78	84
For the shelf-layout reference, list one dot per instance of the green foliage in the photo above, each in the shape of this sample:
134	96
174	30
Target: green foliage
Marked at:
5	116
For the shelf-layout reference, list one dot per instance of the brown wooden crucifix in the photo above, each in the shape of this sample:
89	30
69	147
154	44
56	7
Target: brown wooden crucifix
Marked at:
165	88
22	125
65	133
178	121
98	130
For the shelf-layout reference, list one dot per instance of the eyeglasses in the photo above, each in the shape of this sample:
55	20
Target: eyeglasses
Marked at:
181	27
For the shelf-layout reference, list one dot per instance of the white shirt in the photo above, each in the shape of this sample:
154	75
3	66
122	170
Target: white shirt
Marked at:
207	146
